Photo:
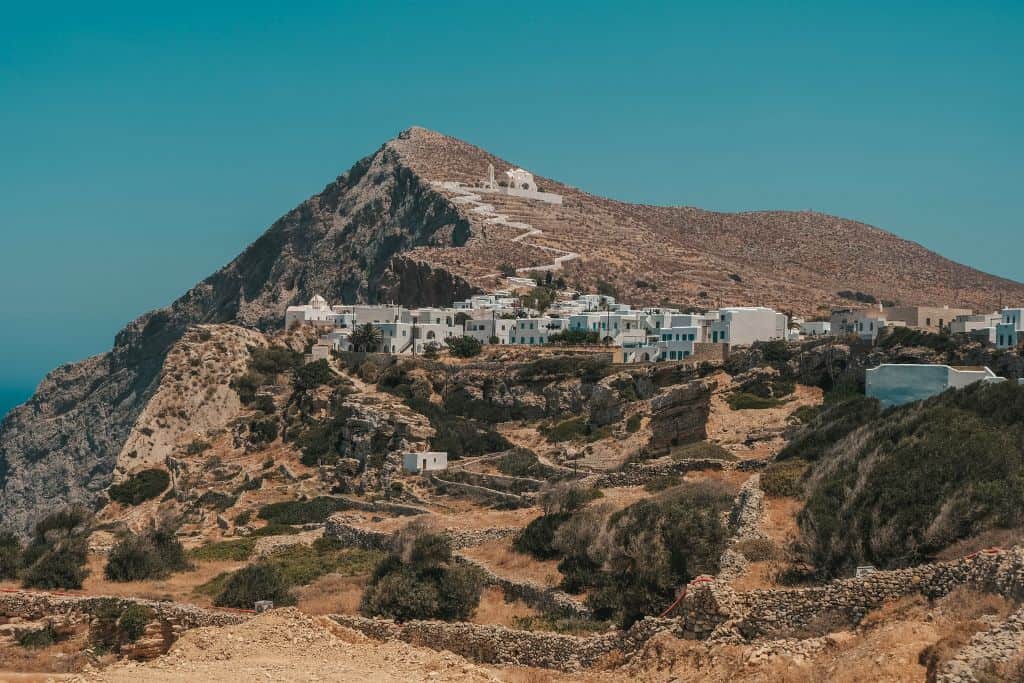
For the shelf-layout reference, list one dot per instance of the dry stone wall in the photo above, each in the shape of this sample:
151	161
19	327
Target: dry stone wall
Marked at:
986	651
712	609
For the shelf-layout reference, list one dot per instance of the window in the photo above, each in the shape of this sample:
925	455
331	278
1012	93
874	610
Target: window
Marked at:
928	322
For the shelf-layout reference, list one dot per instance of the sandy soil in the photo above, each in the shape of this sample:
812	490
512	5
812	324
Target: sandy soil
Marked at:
286	645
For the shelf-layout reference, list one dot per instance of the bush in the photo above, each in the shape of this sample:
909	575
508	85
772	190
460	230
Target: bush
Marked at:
910	482
216	500
146	556
301	511
567	430
682	535
633	423
10	555
574	338
313	375
742	400
783	479
133	621
663	482
235	551
520	462
464	347
196	447
39	638
420	580
273	360
537	538
701	450
56	555
260	581
140	487
245	386
263	431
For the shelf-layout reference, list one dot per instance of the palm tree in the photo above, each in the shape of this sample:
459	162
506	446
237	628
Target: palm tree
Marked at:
367	337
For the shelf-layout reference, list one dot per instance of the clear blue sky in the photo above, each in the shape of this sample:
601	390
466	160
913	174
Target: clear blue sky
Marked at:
144	146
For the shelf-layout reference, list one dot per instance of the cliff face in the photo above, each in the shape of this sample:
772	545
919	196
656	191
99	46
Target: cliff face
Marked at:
345	243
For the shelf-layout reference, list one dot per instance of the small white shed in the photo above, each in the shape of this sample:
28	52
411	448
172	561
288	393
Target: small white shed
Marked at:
425	461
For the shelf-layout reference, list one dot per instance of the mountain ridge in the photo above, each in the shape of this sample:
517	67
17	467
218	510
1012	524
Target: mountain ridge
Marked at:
383	231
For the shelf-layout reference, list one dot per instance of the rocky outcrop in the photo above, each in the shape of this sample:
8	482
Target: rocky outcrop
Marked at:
342	243
680	415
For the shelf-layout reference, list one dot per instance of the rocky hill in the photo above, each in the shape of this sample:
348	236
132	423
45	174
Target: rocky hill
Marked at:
386	230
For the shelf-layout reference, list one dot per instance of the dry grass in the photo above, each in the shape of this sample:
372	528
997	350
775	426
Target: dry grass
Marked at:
332	594
493	609
61	657
1001	538
503	561
177	586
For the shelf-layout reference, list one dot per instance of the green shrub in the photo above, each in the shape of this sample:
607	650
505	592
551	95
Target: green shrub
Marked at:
805	414
464	347
145	556
701	450
663	482
196	447
263	431
910	482
140	487
56	555
10	555
216	500
275	529
39	638
273	360
219	551
633	423
520	462
567	430
133	621
301	511
833	421
260	581
537	537
420	580
574	338
313	375
682	535
245	386
742	400
265	404
783	479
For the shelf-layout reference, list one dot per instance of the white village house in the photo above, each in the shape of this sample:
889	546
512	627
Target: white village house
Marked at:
894	384
424	461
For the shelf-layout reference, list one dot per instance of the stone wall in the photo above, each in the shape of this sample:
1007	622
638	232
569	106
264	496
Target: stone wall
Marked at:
169	621
712	609
986	651
480	494
397	509
548	600
638	474
490	644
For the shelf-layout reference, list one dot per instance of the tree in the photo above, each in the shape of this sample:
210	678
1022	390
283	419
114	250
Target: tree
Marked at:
367	337
55	558
461	318
421	580
464	347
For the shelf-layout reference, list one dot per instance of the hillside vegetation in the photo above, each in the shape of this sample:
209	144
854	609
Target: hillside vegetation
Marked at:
900	487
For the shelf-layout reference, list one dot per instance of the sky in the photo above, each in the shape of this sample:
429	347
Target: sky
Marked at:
142	145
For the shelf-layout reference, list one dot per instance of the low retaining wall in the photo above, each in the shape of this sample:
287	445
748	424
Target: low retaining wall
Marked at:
712	609
539	597
496	482
638	474
986	650
169	620
548	600
398	509
479	493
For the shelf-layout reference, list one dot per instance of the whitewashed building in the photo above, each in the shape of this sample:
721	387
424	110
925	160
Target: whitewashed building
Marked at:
894	384
426	461
816	328
742	325
1010	329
